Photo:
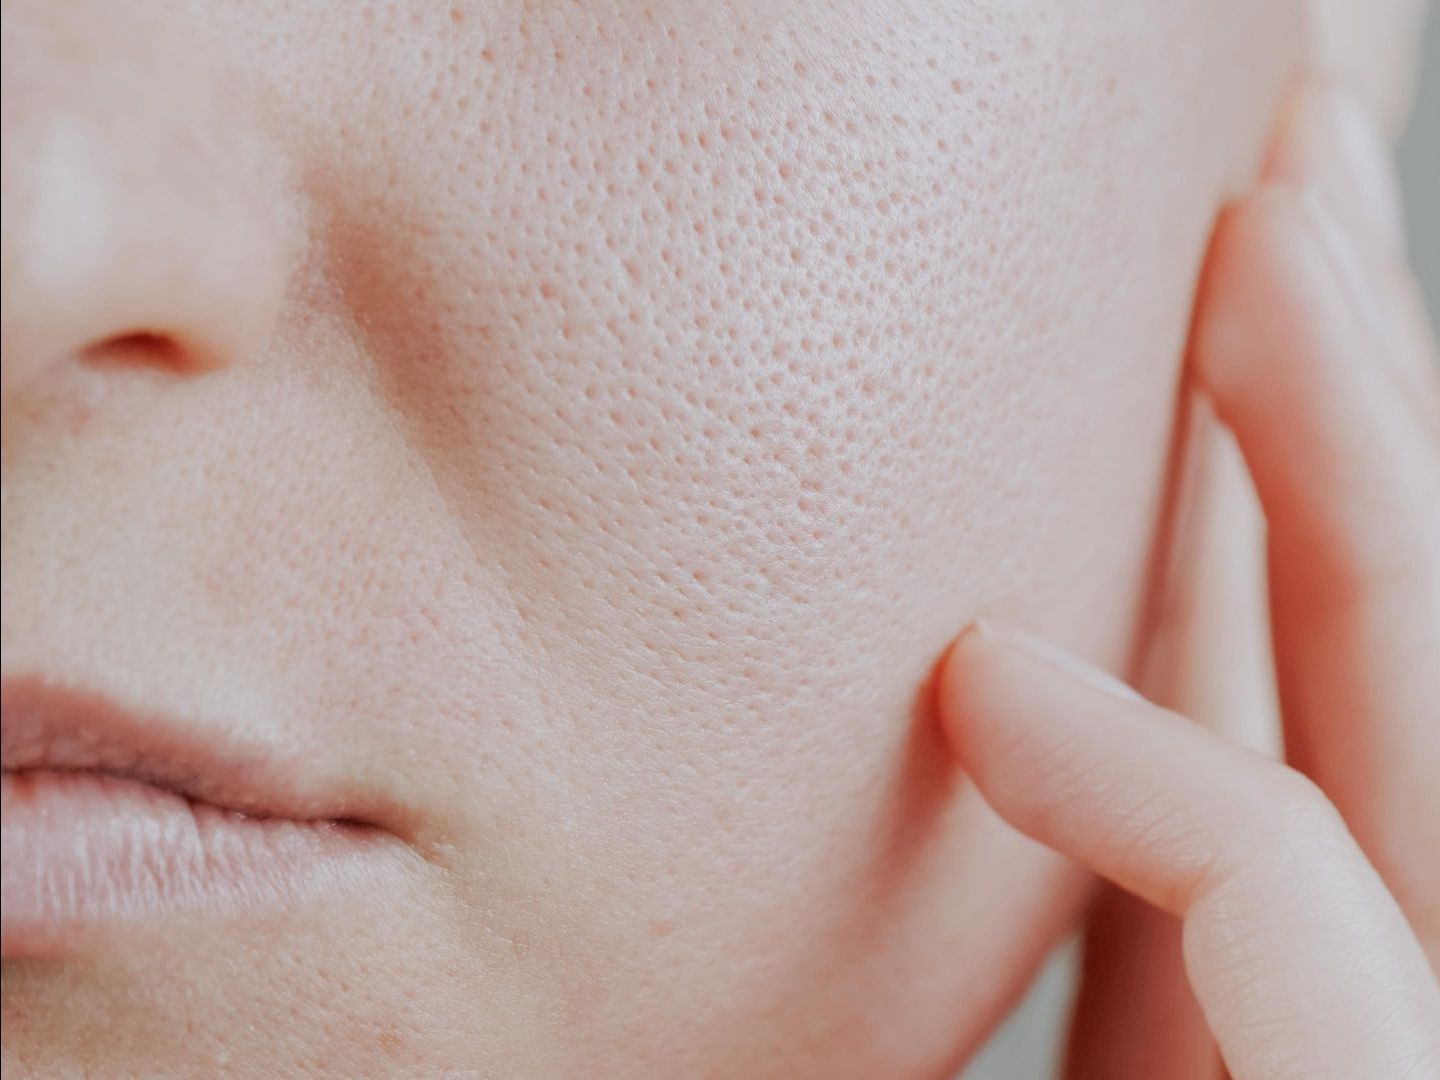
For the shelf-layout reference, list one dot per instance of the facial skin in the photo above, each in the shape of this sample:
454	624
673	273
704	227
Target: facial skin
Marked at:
576	431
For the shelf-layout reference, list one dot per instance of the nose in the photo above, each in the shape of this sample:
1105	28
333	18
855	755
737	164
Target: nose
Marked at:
135	226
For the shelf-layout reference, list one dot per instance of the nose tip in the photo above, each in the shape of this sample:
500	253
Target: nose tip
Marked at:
131	233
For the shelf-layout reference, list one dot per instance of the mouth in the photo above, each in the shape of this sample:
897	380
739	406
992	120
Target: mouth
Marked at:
109	819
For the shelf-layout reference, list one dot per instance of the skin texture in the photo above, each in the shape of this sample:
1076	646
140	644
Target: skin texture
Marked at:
580	430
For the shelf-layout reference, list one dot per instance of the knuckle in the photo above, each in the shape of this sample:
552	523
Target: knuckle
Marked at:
1289	825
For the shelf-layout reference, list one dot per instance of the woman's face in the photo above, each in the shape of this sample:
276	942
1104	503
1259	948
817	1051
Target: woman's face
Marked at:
564	437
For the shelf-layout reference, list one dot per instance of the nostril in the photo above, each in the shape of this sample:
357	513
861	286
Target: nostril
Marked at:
138	348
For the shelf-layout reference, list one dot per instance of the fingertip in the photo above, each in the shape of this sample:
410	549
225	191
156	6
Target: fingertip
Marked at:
1289	345
1005	695
961	678
1244	265
1284	311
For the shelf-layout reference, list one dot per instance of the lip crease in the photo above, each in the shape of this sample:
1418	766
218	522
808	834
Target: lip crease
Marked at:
111	818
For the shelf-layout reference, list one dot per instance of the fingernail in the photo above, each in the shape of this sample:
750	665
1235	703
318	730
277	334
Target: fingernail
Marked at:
1042	650
1343	153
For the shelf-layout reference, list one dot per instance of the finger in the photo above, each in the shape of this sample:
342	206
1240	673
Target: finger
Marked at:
1300	958
1350	485
1207	656
1209	651
1135	1016
1327	143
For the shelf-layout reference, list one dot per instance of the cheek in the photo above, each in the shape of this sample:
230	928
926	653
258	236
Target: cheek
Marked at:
739	355
716	376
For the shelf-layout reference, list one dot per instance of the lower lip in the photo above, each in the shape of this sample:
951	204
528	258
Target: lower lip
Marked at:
82	851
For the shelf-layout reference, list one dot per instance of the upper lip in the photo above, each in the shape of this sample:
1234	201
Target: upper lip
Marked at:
54	728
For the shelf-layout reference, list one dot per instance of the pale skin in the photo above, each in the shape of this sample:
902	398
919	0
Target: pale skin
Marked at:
1306	890
567	438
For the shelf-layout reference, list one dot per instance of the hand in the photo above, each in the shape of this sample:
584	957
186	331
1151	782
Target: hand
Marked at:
1309	891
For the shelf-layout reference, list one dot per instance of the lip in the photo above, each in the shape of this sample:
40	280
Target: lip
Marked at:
109	818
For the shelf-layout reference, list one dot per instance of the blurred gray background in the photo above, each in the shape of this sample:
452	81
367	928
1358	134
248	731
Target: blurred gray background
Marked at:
1420	170
1028	1046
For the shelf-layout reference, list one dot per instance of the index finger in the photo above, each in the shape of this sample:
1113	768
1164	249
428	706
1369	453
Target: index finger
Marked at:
1298	955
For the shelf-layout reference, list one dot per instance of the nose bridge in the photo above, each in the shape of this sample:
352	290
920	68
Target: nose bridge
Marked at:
132	217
